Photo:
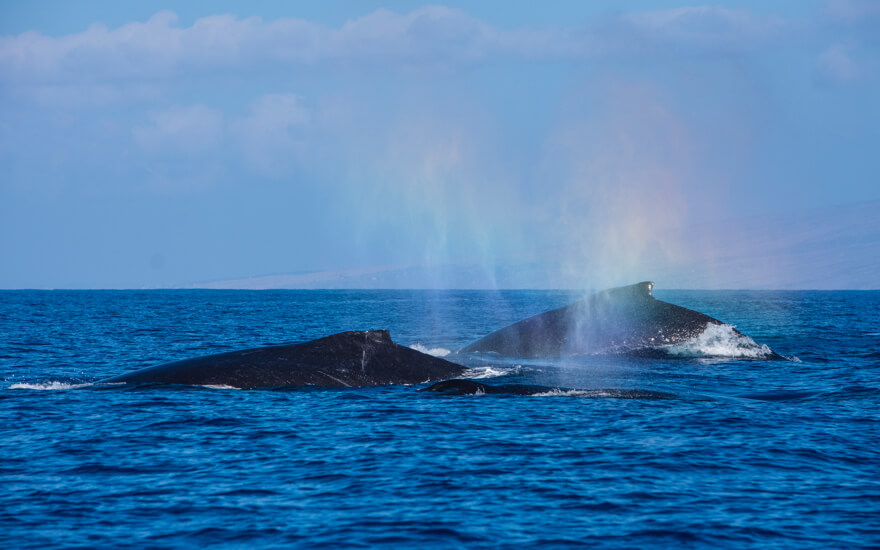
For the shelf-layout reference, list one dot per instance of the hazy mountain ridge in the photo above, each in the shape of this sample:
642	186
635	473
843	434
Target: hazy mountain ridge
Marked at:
831	248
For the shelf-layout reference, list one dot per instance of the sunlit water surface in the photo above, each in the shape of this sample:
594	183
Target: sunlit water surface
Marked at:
750	452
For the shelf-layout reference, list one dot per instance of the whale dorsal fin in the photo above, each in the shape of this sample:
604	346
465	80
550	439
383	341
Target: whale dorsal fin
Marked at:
383	336
642	290
375	336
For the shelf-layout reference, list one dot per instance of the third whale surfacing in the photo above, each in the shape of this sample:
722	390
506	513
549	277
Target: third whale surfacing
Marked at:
624	320
460	386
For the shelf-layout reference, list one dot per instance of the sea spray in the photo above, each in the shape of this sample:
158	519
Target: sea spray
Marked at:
720	341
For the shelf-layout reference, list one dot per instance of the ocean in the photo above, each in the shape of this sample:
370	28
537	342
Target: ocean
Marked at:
748	452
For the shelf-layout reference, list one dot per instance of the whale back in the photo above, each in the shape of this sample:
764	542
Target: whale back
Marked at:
472	387
347	359
618	320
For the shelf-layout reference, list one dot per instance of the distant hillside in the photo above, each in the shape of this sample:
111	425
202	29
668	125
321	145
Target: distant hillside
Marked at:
832	248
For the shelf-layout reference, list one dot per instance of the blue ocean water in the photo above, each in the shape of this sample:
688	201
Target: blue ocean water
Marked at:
750	452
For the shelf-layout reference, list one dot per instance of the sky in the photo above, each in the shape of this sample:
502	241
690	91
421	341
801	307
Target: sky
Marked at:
144	144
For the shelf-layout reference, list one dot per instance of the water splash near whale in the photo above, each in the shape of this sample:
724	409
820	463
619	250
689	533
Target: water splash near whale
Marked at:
720	341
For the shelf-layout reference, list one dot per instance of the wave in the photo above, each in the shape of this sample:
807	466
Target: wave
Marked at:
573	393
720	341
611	393
436	352
48	385
475	373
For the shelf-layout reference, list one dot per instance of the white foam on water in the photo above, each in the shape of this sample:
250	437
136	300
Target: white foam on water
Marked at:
220	387
436	352
50	385
720	341
489	371
574	393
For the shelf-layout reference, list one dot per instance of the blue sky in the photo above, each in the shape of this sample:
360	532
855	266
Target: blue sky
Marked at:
143	144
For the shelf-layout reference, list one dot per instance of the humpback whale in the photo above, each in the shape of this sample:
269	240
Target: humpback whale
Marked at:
470	387
460	386
624	320
347	359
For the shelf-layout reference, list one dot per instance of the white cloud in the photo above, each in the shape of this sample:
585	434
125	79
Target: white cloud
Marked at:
189	130
146	49
837	66
75	95
853	10
852	30
433	36
269	133
703	27
157	48
270	138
